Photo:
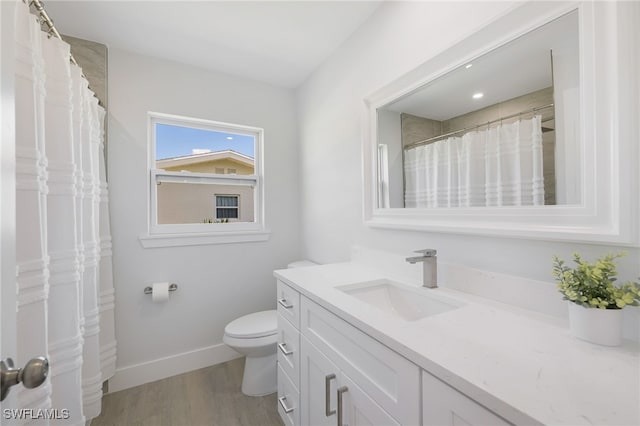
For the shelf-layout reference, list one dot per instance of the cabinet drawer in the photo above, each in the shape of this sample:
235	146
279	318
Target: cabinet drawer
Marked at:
442	405
288	301
289	350
391	380
288	400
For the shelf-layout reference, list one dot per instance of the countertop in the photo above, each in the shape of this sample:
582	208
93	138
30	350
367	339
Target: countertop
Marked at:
522	365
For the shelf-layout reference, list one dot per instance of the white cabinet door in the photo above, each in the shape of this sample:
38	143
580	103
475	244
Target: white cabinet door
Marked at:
358	409
318	380
390	379
442	405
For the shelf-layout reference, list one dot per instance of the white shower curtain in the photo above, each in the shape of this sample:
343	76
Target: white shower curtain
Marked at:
500	166
65	288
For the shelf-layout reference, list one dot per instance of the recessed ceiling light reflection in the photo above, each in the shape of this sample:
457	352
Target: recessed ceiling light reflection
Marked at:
468	66
478	95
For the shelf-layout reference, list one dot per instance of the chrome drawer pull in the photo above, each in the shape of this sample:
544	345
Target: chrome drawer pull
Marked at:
341	390
283	303
286	409
327	395
284	350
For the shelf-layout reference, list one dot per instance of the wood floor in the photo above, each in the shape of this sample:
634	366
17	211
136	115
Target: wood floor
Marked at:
209	396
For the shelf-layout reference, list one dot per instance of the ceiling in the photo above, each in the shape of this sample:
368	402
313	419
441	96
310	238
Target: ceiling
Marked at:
277	42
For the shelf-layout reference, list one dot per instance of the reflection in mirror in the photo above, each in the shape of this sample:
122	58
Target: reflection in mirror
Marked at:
502	130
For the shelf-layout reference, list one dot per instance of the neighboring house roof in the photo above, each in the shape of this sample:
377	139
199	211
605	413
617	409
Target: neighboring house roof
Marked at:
205	158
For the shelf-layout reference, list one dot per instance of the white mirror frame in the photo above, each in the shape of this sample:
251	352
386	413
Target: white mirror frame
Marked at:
609	132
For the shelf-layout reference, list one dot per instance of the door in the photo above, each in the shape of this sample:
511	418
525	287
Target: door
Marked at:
36	370
318	386
7	189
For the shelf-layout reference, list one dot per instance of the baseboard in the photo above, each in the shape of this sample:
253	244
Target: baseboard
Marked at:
139	374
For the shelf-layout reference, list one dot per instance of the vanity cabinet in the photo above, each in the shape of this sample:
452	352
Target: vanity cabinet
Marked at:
442	405
324	362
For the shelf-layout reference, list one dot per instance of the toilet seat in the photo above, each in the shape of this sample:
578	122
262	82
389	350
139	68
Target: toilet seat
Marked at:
258	324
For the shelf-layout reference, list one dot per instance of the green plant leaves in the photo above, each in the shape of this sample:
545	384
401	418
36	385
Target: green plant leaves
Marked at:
592	284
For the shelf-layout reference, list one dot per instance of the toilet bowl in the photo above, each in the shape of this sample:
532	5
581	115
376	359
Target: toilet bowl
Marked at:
255	336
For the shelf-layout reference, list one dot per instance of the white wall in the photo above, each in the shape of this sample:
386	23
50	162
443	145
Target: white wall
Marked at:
217	283
397	38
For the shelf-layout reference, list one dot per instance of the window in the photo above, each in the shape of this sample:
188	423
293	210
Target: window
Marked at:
227	206
193	162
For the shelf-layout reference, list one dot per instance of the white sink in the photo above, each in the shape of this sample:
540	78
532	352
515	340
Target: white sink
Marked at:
402	301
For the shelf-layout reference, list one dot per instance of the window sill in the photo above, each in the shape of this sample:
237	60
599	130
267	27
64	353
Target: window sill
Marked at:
196	239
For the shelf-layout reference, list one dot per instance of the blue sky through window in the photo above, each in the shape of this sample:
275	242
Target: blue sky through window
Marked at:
178	141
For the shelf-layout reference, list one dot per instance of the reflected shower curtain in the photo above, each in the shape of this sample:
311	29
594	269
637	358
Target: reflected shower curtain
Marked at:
65	287
500	166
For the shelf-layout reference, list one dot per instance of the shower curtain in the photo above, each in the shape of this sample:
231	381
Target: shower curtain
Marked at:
63	247
500	166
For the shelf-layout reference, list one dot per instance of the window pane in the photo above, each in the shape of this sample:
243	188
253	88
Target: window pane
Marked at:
204	151
227	213
196	202
227	200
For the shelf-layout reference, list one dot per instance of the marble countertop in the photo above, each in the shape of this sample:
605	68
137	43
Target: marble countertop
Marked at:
522	365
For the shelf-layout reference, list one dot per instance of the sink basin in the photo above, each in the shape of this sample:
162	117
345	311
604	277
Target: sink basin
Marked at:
402	301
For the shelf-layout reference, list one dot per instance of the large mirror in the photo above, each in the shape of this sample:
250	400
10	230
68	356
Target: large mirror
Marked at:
526	128
499	131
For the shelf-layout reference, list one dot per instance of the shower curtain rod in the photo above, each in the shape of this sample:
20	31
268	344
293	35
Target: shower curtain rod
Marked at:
37	4
488	123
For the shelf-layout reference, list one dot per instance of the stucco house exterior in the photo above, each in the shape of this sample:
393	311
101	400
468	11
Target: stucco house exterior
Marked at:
202	202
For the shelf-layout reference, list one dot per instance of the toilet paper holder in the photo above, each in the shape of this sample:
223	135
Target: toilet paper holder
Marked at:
149	289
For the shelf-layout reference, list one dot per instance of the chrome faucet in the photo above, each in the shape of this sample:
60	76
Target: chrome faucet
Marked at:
429	266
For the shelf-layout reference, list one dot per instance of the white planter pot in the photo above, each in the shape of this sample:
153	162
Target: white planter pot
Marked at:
601	326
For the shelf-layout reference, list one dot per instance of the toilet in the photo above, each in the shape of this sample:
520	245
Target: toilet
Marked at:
255	336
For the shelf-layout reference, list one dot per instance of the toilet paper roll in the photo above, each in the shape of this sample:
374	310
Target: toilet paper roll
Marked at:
160	292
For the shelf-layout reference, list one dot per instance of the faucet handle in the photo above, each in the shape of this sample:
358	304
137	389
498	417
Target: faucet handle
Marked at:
427	252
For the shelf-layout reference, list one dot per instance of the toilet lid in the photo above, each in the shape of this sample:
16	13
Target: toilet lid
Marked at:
258	324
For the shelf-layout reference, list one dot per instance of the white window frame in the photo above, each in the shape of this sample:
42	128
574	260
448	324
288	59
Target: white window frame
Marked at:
163	235
216	207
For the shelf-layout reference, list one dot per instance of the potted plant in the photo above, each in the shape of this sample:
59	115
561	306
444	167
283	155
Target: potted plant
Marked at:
595	303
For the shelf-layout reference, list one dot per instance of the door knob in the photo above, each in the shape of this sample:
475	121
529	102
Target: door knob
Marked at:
31	376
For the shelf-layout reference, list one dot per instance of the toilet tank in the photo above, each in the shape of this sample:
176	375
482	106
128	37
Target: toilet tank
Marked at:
300	264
